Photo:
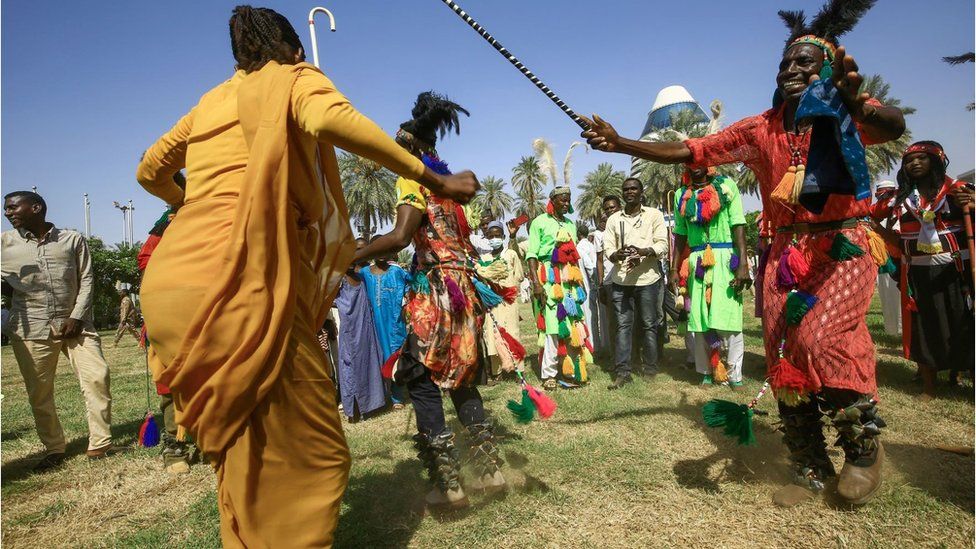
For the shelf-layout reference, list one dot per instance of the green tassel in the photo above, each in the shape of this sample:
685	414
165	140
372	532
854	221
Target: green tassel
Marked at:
735	418
798	304
843	249
576	370
563	329
888	268
523	411
421	284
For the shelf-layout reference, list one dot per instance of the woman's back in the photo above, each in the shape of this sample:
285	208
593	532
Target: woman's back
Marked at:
216	152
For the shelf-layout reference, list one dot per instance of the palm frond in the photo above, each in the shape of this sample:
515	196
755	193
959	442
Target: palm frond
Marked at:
968	57
543	153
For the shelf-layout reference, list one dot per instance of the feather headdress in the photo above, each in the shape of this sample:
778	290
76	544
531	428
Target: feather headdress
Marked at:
835	19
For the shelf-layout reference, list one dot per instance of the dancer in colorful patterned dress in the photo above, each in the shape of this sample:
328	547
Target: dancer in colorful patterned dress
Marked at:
819	279
445	313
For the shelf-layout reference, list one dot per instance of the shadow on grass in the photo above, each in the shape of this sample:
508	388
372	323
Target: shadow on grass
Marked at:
943	475
21	468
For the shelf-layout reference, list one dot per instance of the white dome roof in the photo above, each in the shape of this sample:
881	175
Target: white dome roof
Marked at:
671	95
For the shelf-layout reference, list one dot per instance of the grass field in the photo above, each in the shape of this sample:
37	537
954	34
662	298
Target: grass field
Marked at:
631	468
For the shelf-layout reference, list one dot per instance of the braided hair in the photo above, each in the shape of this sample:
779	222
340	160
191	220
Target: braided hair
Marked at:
259	35
433	114
937	173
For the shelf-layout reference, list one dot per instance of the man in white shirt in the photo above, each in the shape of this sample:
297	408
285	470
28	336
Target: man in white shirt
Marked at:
602	280
587	251
635	240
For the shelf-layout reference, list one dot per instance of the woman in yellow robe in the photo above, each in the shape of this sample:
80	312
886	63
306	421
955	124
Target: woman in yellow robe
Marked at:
248	269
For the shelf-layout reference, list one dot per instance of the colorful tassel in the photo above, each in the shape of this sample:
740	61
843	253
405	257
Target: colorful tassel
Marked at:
563	330
557	276
784	190
552	275
568	367
789	384
149	432
421	284
699	269
708	295
798	304
504	353
784	276
523	411
387	369
543	404
719	373
540	323
888	268
488	297
578	372
709	277
459	301
542	275
554	257
842	249
574	338
557	292
572	310
734	262
510	294
878	249
560	312
708	256
735	418
561	349
586	355
798	264
518	351
684	270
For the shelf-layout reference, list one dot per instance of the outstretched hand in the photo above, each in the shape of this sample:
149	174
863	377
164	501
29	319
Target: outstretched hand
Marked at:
601	135
848	82
460	187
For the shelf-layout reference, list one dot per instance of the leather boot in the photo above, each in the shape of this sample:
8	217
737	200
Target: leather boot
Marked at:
803	434
485	457
440	456
858	427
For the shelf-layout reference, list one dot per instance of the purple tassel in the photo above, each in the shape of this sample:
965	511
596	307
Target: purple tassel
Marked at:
560	312
458	300
699	269
712	339
435	164
734	262
555	256
784	276
687	304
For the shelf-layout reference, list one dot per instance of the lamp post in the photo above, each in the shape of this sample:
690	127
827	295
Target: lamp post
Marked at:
125	221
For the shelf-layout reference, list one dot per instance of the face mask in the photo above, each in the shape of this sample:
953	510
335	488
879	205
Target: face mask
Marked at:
496	243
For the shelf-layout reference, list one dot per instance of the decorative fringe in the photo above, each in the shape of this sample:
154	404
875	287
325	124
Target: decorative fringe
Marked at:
572	310
563	330
562	235
586	355
580	294
567	252
148	432
798	304
579	371
735	418
557	292
510	294
574	337
523	411
734	261
458	300
543	404
489	298
518	351
421	284
560	312
930	248
719	373
557	275
786	191
842	249
708	256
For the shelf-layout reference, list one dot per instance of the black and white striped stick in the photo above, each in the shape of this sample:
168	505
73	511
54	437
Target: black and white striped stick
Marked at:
518	64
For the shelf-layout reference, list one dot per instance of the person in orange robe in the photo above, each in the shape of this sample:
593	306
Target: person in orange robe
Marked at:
234	295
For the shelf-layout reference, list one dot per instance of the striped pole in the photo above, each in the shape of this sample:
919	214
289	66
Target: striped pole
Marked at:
518	64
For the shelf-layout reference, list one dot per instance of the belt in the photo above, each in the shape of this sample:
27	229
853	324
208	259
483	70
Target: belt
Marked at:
714	245
804	228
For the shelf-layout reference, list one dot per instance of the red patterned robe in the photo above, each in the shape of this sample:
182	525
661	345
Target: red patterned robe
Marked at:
831	345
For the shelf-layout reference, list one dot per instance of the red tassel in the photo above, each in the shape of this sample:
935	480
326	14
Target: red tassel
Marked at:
387	369
509	294
557	274
550	209
798	264
561	348
543	404
518	351
788	377
713	357
540	322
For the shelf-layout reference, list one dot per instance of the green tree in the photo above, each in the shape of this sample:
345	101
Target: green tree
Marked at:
885	157
968	57
110	266
370	192
527	180
602	182
752	231
492	198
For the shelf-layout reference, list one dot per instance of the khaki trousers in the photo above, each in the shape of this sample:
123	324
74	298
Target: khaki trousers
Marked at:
38	361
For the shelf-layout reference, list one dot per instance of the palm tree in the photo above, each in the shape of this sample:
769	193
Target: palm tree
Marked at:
369	191
885	157
659	179
968	57
492	198
602	182
527	180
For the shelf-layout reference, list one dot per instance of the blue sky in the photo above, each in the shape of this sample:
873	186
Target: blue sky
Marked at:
87	86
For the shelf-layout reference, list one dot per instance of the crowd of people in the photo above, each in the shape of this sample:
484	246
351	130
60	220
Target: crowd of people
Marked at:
238	292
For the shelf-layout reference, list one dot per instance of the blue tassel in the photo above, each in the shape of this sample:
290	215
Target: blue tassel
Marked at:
734	262
435	164
148	432
552	275
421	284
580	294
488	296
570	305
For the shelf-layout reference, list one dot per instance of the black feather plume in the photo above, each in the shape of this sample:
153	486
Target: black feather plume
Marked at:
960	59
838	17
796	21
434	114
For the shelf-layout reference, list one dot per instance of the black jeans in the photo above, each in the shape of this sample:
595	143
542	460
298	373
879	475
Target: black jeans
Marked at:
428	404
643	300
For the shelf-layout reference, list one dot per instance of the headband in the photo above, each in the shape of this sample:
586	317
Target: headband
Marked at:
927	148
560	190
829	51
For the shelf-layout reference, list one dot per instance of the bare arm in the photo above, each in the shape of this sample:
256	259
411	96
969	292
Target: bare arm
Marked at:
742	280
408	221
604	137
680	241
